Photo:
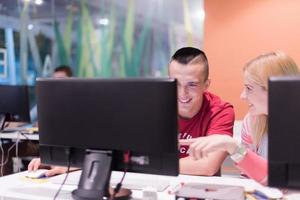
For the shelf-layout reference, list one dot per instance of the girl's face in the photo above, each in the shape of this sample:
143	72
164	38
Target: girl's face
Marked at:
255	95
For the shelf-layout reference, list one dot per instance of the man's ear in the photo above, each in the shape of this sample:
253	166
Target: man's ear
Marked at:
207	84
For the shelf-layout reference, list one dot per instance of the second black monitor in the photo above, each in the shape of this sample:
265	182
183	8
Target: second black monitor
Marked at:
14	104
284	132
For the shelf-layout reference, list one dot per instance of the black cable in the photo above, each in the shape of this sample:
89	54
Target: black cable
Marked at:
8	151
27	138
126	161
24	135
118	186
67	173
2	164
2	158
7	157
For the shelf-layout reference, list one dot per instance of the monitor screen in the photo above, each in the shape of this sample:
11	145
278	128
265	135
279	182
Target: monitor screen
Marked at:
284	132
14	104
137	117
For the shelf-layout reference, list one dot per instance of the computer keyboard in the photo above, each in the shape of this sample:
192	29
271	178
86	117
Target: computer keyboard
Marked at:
133	181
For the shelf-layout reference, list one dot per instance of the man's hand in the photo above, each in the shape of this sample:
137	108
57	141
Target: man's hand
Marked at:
35	164
200	147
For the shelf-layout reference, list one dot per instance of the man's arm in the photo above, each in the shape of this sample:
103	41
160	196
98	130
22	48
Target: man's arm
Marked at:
221	123
35	164
207	166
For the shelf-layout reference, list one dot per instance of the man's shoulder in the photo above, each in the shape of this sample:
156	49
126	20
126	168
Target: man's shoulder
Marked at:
216	108
215	101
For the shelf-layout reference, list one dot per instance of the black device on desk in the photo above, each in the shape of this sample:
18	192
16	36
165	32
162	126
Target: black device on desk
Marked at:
284	132
14	104
101	120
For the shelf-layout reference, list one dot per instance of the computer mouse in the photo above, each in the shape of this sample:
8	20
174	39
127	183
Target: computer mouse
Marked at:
40	173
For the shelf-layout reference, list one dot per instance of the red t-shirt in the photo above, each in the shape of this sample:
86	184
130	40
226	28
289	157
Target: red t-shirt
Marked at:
214	117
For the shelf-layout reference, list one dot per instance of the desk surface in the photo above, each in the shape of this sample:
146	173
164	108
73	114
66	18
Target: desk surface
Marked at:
16	186
18	135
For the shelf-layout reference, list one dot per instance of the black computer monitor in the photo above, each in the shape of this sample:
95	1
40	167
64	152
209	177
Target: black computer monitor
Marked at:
14	104
284	132
105	120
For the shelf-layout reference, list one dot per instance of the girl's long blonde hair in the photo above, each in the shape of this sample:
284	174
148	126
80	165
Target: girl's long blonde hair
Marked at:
260	69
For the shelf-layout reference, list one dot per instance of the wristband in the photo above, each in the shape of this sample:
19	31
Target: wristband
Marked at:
239	153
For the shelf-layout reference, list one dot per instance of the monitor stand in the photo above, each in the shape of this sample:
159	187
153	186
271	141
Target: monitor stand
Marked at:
95	176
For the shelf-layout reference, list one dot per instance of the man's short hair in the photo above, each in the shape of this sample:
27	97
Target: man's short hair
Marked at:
191	55
64	68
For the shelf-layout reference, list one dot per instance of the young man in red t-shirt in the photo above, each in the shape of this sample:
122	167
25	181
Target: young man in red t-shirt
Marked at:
201	113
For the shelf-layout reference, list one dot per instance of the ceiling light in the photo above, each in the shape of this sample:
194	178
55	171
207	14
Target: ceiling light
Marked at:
201	14
38	2
30	26
103	21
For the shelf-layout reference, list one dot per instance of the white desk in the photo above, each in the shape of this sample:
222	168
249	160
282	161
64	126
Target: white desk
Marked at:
18	187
